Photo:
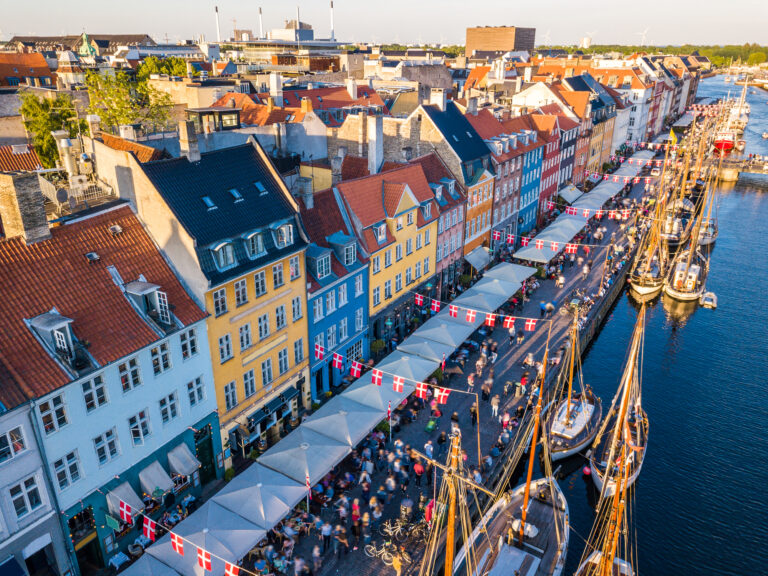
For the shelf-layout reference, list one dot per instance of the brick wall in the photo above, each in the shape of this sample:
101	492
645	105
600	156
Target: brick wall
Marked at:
503	38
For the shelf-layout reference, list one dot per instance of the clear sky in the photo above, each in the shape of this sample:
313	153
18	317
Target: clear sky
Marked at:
406	21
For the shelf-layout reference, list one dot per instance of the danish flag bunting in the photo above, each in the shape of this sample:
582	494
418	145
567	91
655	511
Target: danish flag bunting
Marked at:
621	159
376	377
421	390
471	315
636	180
126	512
177	544
497	234
595	175
441	395
524	241
539	244
309	487
626	179
442	364
510	238
150	528
453	310
319	352
418	299
435	305
231	569
615	178
571	248
631	161
389	410
554	246
611	214
606	176
490	320
585	212
338	361
647	180
550	205
397	384
356	369
571	210
599	213
530	324
509	321
625	214
204	559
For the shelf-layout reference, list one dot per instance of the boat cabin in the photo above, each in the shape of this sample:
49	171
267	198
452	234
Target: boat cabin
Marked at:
689	281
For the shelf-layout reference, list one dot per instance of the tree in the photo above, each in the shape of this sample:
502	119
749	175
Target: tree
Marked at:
173	66
756	58
118	101
43	116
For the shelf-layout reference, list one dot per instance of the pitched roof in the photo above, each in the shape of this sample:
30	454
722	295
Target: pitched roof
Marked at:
457	131
357	167
578	101
55	273
18	158
323	219
476	78
255	114
435	171
331	97
143	153
18	65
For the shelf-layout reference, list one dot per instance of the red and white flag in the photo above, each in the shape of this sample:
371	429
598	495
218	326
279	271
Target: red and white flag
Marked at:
554	246
497	234
571	210
231	569
418	299
621	159
356	369
453	310
435	305
204	559
338	361
595	175
509	321
441	395
524	241
585	212
550	205
376	377
309	486
625	214
510	238
442	364
530	324
319	351
571	248
126	512
615	178
149	528
471	315
397	384
177	544
631	161
647	180
599	213
606	176
539	244
490	320
389	410
626	179
611	214
421	390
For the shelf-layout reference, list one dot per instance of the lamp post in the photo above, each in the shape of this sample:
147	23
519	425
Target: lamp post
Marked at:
388	323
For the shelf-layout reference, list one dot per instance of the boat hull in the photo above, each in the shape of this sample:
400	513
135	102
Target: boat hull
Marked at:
584	436
611	488
591	566
644	287
683	296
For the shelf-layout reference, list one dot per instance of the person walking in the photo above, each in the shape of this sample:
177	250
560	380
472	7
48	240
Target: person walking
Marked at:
441	441
429	449
418	472
520	337
512	336
584	272
317	560
571	260
473	414
326	532
542	308
470	382
495	401
342	543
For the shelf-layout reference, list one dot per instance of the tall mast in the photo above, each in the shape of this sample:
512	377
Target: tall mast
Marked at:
450	541
570	368
616	518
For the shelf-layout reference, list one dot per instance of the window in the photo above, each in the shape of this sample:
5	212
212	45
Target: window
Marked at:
296	308
377	296
342	295
282	361
139	425
298	351
277	275
94	393
399	224
230	395
408	276
439	255
196	391
426	265
398	282
266	373
220	302
376	265
330	301
53	414
259	283
67	470
105	446
188	344
428	211
440	224
426	237
331	336
343	330
254	244
317	308
245	336
409	246
418	242
263	326
169	407
281	320
26	497
284	235
350	255
11	443
388	289
241	292
382	233
224	256
225	348
388	255
358	285
355	352
358	320
249	383
294	267
418	269
323	267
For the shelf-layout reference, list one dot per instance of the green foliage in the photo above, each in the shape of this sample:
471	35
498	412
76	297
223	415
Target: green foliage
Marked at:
438	375
465	279
173	66
44	115
383	427
377	346
756	58
118	100
229	473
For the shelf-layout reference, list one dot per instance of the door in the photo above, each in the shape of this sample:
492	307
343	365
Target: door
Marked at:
204	448
39	564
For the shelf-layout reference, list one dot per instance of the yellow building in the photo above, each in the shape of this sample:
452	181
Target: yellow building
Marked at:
394	216
596	147
230	228
607	143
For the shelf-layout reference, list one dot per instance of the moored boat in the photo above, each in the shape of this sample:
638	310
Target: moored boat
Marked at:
688	276
677	222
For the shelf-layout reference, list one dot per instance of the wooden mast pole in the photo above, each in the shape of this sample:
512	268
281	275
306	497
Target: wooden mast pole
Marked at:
450	541
616	517
570	368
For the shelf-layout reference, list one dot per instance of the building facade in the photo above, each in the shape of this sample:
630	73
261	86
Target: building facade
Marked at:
499	39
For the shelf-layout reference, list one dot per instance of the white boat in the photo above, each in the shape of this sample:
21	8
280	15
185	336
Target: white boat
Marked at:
708	234
677	222
591	566
708	300
687	277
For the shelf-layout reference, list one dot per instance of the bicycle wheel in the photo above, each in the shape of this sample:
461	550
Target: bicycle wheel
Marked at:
386	557
405	557
370	551
399	535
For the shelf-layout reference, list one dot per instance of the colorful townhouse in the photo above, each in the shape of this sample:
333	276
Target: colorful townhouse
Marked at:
451	201
530	181
337	293
112	352
394	217
231	229
549	131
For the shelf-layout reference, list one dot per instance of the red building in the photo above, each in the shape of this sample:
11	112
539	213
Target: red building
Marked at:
548	128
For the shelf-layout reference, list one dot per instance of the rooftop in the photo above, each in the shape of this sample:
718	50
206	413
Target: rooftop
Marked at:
18	158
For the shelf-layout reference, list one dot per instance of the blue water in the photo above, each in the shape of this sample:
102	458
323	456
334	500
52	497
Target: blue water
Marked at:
701	502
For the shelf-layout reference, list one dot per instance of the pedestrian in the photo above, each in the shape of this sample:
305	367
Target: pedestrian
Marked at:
580	261
473	413
418	472
470	382
495	401
441	441
342	543
494	355
520	337
479	366
505	420
507	386
571	260
584	272
326	531
512	336
429	449
485	392
317	560
542	308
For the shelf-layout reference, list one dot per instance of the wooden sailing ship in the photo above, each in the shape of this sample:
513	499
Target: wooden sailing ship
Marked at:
626	424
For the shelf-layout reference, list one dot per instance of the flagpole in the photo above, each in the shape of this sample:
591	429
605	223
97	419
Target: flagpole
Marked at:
389	419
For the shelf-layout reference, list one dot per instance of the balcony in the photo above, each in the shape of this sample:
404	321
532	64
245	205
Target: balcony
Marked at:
64	197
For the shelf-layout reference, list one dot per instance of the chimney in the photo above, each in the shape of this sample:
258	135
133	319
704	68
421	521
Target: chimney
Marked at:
472	106
22	207
352	88
261	25
218	28
527	76
438	98
336	163
518	84
276	87
127	131
270	104
304	191
306	105
188	141
64	148
333	36
375	143
94	124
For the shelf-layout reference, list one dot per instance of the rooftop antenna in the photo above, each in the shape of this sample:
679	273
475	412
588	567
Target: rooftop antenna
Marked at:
218	28
333	35
261	25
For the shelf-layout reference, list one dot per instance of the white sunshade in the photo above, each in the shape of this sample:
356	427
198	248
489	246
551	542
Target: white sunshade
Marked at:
508	272
442	328
500	288
570	193
377	397
303	452
478	258
182	461
154	477
413	368
562	231
127	494
344	420
428	349
148	565
261	495
478	300
607	189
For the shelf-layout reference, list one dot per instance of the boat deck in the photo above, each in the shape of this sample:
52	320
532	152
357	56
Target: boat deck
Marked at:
563	438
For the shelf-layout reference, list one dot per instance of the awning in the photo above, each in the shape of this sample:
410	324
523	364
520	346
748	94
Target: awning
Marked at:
154	478
125	493
514	273
428	349
477	300
305	452
11	567
147	565
570	193
363	391
479	258
444	329
414	368
343	419
182	461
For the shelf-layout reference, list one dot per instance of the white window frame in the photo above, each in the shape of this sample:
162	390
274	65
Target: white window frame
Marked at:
94	393
220	302
169	408
225	348
241	292
283	364
246	337
66	470
188	341
196	391
107	440
138	425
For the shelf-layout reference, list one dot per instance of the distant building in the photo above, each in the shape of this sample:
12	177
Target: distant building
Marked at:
84	44
499	38
24	70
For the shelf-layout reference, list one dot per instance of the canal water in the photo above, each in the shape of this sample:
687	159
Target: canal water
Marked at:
701	501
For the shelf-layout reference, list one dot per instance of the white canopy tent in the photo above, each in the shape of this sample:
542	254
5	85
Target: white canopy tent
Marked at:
303	452
478	300
570	193
607	189
562	231
344	420
478	258
442	328
148	565
427	349
514	273
408	366
155	479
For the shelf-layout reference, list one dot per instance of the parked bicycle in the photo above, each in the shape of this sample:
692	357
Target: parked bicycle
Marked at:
387	552
394	530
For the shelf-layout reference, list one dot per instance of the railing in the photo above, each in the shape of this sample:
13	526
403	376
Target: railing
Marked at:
75	197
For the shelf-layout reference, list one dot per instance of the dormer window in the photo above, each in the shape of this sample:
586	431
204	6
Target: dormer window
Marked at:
150	299
285	235
224	255
409	218
350	255
61	342
323	266
254	244
427	211
381	233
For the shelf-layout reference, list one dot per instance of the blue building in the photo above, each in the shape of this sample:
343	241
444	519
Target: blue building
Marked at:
337	293
530	182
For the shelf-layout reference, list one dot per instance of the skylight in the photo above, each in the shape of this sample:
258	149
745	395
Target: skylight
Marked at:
209	203
260	188
236	195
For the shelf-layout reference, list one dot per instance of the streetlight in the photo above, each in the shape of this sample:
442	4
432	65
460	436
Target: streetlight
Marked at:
388	323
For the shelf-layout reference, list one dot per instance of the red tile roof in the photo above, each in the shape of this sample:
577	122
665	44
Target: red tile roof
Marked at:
488	126
18	65
324	219
578	101
18	159
476	78
392	194
617	98
255	114
435	170
55	273
143	153
357	167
